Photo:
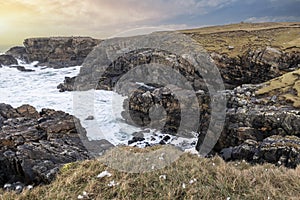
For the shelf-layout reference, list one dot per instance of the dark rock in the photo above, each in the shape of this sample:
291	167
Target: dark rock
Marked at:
33	145
138	134
19	53
7	60
135	139
59	52
278	150
68	84
255	66
91	117
22	68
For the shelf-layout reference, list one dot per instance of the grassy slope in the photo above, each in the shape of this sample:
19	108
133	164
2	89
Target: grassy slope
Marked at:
285	36
213	179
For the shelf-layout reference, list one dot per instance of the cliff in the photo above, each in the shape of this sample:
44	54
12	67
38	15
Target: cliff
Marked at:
56	52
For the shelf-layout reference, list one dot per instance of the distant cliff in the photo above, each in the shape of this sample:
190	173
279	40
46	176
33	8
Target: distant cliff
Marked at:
56	52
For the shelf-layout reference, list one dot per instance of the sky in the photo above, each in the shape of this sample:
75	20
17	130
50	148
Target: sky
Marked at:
20	19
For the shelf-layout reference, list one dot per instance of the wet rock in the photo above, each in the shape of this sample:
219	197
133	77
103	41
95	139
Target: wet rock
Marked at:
22	68
68	84
34	145
91	117
7	60
135	139
18	53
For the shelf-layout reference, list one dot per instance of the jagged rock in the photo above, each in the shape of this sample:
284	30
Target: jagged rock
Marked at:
255	66
102	71
7	60
68	84
59	52
275	149
19	53
34	145
158	108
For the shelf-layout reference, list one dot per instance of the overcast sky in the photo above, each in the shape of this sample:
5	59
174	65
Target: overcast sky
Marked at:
20	19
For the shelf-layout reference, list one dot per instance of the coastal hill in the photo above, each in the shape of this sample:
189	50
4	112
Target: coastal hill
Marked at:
234	39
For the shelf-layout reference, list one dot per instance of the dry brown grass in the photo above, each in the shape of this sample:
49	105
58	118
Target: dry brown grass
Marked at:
286	87
243	36
215	179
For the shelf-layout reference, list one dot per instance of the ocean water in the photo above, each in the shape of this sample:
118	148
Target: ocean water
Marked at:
38	89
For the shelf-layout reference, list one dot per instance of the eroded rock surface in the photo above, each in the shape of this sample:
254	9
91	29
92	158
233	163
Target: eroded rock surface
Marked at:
55	52
34	145
58	52
7	60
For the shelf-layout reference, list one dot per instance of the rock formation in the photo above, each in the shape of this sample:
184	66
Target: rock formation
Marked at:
55	52
34	145
252	116
7	60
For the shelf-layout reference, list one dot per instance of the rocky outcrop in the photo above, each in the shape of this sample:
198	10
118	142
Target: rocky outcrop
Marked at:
18	53
279	150
55	52
255	66
67	85
261	122
58	52
34	145
7	60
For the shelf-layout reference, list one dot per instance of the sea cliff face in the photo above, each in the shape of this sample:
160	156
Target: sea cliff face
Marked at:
56	52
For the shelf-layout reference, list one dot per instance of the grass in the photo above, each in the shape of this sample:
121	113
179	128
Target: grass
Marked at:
284	36
203	178
286	87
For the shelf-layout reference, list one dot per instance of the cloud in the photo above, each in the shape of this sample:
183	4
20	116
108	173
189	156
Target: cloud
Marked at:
97	18
111	12
273	19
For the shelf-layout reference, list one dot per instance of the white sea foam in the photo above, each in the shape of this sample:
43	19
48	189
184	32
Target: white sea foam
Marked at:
38	89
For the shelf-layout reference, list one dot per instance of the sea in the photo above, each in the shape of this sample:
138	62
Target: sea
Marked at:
39	89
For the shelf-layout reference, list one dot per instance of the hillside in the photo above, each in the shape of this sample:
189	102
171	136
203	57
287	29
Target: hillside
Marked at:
235	39
190	177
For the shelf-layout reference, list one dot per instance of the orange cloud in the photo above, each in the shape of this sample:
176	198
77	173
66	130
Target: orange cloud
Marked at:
97	18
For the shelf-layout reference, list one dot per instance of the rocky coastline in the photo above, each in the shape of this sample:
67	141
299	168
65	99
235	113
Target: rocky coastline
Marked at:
259	126
262	93
34	145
